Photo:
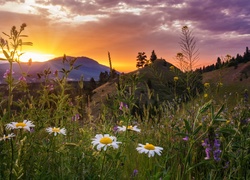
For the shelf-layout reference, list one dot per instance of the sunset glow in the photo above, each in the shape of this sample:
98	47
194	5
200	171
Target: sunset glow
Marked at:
36	57
92	28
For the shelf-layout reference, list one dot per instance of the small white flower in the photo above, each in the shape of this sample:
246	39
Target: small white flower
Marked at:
124	128
56	130
7	137
20	125
103	141
149	149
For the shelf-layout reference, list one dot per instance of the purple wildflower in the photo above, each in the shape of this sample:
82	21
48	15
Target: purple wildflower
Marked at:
212	149
22	79
7	74
123	105
76	117
135	172
208	151
115	129
185	138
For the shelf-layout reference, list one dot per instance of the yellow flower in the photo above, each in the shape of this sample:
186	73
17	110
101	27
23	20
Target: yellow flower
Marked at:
205	95
220	84
206	85
171	68
176	78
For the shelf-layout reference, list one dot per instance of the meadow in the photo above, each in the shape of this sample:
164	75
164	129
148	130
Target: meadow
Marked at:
51	132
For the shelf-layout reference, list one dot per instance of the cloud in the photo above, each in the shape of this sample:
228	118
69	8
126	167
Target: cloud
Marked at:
132	26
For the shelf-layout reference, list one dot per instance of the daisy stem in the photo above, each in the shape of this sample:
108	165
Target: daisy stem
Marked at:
12	158
104	158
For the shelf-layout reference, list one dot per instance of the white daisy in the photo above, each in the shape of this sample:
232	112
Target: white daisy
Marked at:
56	130
20	125
149	149
103	141
7	137
124	128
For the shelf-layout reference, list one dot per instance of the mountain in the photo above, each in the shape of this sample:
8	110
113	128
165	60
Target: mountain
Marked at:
88	68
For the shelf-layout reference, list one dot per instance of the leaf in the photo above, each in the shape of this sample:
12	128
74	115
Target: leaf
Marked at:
221	120
205	107
197	130
188	128
6	54
220	110
27	43
6	34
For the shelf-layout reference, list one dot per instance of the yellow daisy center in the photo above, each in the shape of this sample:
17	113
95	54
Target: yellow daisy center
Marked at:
130	127
20	124
106	140
56	129
149	147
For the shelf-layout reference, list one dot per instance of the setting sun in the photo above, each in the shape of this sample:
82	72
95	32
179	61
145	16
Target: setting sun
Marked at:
36	57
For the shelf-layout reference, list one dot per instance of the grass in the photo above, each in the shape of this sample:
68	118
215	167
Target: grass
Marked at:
206	137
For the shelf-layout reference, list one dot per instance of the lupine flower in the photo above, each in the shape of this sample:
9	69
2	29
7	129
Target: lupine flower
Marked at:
149	149
123	105
20	125
103	141
135	172
212	149
124	128
56	130
7	137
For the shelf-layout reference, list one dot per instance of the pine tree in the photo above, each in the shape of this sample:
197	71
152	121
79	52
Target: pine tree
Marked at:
141	60
153	56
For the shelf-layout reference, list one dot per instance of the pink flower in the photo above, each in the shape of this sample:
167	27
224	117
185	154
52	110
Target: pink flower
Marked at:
185	138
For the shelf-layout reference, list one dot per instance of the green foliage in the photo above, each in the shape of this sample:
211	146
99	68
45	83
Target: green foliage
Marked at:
206	137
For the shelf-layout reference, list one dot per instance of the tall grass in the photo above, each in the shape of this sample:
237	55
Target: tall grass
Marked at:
204	138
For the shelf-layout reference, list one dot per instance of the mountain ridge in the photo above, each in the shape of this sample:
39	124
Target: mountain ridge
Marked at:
88	68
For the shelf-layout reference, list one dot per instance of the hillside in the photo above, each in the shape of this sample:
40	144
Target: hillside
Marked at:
230	76
155	76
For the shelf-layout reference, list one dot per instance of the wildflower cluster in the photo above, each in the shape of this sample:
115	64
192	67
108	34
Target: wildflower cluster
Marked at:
212	148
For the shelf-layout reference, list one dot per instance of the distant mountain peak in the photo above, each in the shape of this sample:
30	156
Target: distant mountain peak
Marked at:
89	68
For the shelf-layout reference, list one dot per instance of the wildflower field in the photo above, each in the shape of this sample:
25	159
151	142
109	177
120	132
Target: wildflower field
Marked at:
50	132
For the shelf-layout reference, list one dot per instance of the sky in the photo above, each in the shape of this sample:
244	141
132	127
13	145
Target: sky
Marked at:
92	28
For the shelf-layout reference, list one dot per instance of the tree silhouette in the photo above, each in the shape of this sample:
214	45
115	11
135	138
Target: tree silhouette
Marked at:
153	56
141	60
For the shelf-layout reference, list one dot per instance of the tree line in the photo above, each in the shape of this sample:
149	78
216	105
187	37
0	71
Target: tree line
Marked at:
227	61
